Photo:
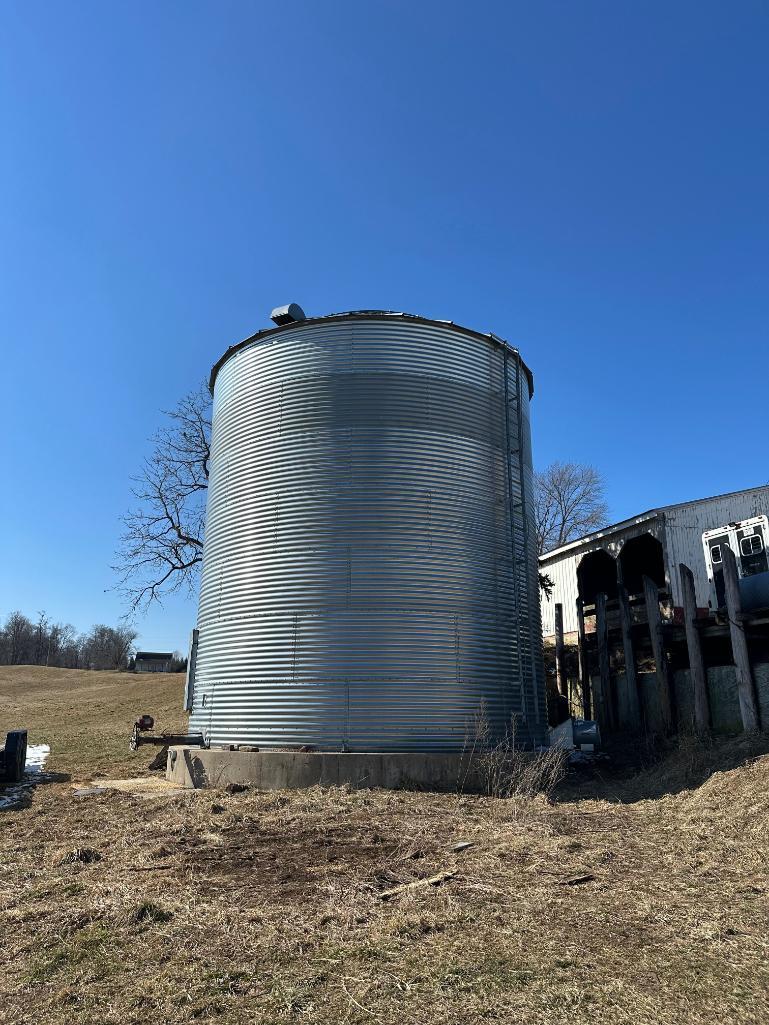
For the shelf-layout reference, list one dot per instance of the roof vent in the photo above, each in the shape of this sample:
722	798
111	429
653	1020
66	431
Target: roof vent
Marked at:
287	314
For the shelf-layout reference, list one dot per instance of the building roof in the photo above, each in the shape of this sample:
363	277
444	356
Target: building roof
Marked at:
370	315
154	656
643	517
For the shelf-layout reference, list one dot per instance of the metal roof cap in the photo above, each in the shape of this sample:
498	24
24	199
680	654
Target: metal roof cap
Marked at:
366	315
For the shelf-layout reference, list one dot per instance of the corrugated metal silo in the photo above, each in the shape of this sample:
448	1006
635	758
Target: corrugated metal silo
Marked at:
369	574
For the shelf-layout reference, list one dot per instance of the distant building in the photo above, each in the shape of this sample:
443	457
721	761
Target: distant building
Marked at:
653	544
153	661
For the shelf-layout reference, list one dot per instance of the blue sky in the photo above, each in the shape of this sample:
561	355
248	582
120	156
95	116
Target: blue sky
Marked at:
589	180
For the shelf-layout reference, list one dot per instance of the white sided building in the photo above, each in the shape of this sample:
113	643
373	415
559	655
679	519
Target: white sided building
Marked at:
653	544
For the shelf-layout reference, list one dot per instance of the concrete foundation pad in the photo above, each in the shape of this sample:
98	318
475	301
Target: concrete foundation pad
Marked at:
288	770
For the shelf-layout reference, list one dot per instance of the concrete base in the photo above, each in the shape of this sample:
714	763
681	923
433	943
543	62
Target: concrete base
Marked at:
286	770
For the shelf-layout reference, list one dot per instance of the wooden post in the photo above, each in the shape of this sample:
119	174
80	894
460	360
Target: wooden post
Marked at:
740	654
560	659
631	684
584	668
651	594
603	699
697	670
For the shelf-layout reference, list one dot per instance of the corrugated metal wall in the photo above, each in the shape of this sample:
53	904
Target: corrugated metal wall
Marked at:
563	574
369	576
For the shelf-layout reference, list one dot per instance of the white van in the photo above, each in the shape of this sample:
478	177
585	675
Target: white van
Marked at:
748	540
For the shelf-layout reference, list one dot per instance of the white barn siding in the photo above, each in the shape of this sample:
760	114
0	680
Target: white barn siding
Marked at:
563	573
563	569
678	527
685	525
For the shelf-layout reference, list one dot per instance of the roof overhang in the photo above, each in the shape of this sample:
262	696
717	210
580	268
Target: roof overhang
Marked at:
597	536
650	514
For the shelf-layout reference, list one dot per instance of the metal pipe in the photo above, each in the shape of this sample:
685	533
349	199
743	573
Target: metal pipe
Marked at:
138	739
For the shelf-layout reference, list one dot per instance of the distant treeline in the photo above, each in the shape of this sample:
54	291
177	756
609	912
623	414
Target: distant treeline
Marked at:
44	643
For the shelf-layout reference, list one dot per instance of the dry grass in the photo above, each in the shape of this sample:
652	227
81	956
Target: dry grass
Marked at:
265	908
87	717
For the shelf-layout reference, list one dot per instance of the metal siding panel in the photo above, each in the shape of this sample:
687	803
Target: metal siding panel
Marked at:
563	573
369	576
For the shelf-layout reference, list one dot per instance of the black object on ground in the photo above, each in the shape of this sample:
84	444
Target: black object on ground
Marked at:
13	756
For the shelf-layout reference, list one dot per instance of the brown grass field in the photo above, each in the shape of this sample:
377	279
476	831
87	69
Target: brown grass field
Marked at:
627	899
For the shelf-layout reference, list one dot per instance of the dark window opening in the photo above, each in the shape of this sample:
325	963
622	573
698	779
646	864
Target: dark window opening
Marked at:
642	557
596	574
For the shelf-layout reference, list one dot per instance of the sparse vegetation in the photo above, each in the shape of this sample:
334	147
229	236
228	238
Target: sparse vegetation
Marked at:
638	900
505	768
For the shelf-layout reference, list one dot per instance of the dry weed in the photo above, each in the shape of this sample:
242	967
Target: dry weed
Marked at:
505	767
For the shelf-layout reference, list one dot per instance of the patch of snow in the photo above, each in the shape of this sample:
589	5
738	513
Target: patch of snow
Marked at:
11	796
37	755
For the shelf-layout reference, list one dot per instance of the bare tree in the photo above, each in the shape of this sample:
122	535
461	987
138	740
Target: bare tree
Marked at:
18	639
108	647
162	543
121	648
41	638
64	647
569	502
58	644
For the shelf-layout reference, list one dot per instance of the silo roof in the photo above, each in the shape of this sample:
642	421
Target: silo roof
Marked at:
370	315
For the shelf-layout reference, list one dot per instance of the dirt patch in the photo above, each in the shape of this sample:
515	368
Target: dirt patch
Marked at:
276	864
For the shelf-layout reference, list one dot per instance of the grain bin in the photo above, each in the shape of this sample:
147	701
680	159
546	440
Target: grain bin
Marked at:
369	578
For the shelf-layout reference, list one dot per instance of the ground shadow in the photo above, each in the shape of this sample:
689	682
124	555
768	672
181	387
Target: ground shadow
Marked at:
21	794
642	768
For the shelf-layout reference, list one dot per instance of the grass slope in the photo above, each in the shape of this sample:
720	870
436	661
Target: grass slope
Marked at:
87	717
266	908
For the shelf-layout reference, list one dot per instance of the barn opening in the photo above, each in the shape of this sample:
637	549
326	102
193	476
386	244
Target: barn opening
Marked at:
642	556
596	574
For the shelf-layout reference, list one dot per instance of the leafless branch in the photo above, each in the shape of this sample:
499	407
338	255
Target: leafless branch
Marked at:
162	541
569	503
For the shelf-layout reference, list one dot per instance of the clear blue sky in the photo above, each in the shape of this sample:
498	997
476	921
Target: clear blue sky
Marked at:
589	180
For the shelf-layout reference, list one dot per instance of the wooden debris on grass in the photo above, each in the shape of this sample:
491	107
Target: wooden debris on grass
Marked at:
435	880
577	880
150	868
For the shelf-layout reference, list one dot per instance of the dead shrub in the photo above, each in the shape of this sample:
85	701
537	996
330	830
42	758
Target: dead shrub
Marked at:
506	769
